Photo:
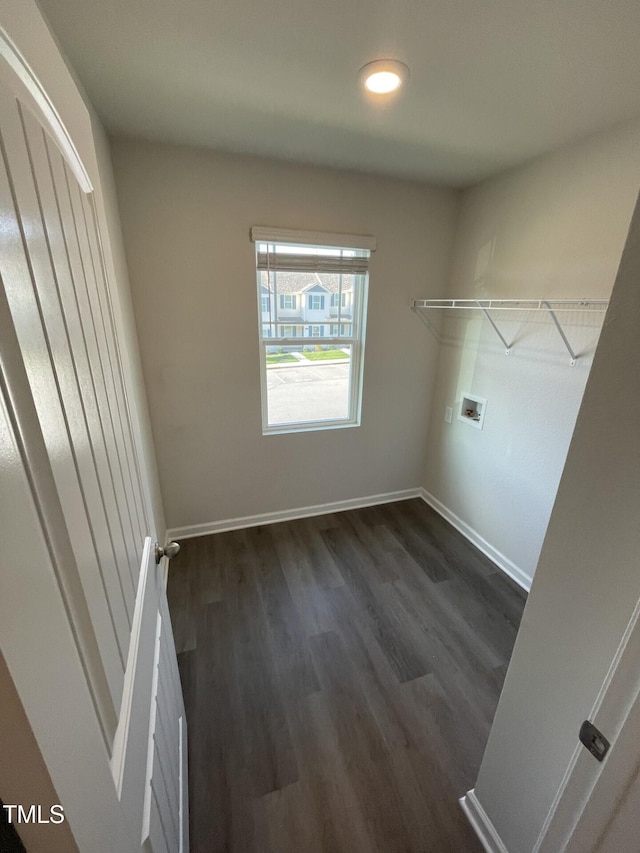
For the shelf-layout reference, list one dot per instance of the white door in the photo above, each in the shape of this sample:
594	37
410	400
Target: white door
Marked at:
83	619
596	809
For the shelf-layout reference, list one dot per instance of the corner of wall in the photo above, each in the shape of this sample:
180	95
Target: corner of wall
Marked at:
553	228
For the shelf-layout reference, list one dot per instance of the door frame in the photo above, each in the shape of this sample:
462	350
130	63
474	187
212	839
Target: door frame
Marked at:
590	791
23	81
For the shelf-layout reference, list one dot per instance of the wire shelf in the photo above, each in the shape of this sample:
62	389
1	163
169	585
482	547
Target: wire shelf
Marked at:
550	306
599	305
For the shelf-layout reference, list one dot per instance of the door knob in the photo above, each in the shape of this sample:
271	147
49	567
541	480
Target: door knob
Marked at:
168	551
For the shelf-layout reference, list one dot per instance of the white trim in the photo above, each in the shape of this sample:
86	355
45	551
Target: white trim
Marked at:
39	100
153	711
191	530
615	702
502	562
121	739
184	787
309	426
515	573
262	233
481	823
358	322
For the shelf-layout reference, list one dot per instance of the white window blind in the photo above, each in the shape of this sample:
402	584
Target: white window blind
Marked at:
260	233
273	259
281	250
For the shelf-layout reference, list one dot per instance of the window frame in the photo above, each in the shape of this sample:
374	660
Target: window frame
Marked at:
311	298
337	334
294	334
284	297
356	246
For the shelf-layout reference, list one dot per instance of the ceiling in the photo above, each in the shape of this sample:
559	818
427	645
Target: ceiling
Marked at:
493	82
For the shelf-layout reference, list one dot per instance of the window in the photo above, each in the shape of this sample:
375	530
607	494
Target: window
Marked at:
264	304
311	386
287	332
288	302
343	330
315	302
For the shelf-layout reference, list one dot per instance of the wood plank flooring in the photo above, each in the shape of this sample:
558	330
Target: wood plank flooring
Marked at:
340	676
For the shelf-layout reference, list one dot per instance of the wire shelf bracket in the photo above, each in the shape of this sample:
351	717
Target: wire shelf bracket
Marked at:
551	306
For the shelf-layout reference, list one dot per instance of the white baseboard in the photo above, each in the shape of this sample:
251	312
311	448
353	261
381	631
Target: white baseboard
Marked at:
504	563
514	572
481	824
192	530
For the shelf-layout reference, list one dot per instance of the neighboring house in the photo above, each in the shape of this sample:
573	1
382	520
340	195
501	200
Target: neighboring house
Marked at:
306	305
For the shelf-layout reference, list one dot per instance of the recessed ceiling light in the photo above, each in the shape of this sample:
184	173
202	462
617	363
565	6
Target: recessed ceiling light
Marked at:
383	76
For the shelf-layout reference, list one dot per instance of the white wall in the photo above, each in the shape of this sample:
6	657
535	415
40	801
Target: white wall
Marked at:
586	586
186	217
554	228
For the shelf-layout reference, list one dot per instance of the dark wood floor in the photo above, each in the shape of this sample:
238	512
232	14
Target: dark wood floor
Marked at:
340	676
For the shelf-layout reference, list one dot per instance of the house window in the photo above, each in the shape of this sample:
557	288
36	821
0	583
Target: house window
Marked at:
311	387
288	301
315	302
287	332
343	330
264	304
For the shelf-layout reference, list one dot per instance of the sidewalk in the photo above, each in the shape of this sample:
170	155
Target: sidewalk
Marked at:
301	360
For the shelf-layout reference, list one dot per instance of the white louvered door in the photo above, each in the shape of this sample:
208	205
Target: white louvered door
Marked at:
62	360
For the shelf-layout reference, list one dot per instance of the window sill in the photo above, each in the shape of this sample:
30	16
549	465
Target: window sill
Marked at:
316	426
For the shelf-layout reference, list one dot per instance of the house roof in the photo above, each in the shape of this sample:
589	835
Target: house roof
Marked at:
297	282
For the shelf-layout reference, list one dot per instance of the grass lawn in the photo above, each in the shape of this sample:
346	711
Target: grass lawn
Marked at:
280	358
325	353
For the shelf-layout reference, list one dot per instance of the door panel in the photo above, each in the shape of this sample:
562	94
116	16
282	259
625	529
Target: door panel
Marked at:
118	461
59	354
40	651
79	403
102	318
113	496
24	264
166	797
